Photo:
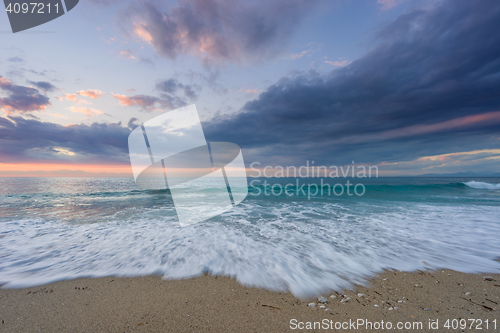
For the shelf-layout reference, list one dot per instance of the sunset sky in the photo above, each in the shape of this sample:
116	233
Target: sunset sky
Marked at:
410	86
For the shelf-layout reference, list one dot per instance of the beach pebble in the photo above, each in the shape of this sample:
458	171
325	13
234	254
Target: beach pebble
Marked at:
323	300
377	306
333	296
328	309
467	293
489	278
401	302
345	300
391	308
322	306
427	309
361	295
396	308
311	304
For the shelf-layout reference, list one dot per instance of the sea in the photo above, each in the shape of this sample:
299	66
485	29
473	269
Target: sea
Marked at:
303	240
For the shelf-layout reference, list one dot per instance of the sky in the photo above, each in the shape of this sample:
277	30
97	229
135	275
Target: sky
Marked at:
412	87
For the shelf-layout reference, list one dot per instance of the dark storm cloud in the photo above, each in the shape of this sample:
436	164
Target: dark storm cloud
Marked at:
30	140
430	86
21	98
43	85
216	29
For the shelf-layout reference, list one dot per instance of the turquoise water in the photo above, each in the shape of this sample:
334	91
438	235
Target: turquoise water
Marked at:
300	241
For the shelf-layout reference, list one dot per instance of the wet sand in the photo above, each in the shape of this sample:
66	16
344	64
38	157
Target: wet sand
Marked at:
220	304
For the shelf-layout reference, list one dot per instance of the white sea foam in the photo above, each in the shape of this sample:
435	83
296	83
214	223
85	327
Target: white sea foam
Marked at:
304	247
483	185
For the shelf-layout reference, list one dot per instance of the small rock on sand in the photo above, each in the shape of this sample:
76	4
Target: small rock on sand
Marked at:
323	300
489	278
311	304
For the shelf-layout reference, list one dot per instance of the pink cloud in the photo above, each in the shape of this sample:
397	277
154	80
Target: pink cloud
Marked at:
139	100
253	91
490	117
86	111
127	54
340	63
445	125
73	98
298	55
94	94
216	30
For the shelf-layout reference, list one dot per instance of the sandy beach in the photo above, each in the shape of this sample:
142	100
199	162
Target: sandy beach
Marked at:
220	304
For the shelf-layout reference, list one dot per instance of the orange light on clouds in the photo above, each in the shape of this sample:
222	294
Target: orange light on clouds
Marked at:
64	170
141	32
445	157
94	94
86	111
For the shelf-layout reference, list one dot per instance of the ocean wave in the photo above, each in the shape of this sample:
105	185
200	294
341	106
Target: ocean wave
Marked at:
303	247
483	185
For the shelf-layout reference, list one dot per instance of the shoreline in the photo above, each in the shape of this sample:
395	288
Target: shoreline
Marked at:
215	304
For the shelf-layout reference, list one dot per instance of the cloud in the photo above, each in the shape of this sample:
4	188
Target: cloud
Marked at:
133	123
94	94
311	48
30	140
144	101
483	162
151	103
171	86
388	4
127	54
44	86
429	87
86	111
338	63
167	99
21	98
298	55
253	91
15	59
216	30
73	98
